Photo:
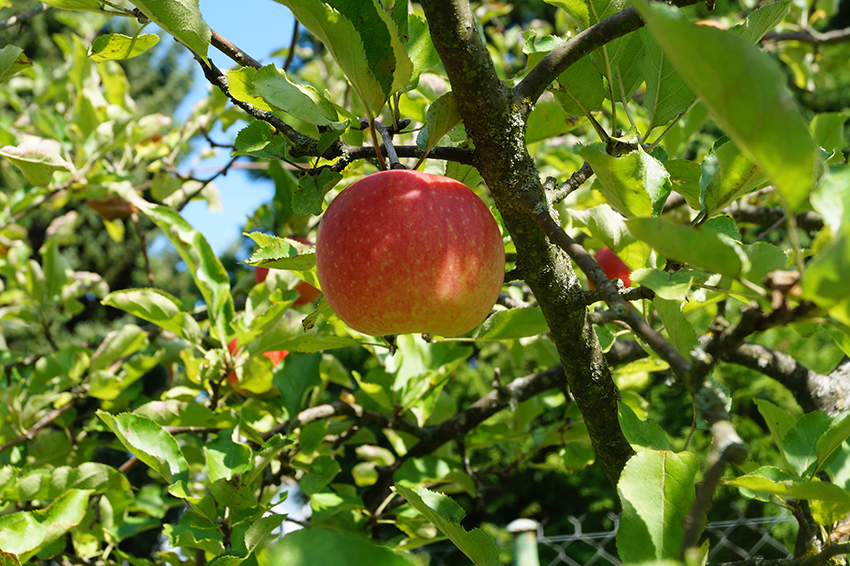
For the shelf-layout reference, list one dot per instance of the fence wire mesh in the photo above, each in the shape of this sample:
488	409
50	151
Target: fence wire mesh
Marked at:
741	538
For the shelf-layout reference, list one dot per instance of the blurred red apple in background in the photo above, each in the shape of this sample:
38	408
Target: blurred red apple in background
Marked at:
613	267
407	252
275	357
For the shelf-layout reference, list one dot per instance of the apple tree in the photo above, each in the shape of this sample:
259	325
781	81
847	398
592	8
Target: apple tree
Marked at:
701	145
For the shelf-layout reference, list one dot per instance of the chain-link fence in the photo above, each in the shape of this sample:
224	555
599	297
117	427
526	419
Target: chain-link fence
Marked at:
738	539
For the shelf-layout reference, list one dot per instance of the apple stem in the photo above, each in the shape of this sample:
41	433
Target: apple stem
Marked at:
387	137
372	125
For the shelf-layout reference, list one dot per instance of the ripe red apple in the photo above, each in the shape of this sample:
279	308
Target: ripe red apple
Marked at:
275	357
407	252
613	267
306	292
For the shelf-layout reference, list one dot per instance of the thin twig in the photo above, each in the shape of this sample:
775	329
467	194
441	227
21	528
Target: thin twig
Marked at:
810	36
46	420
143	243
387	138
24	17
239	56
293	42
575	181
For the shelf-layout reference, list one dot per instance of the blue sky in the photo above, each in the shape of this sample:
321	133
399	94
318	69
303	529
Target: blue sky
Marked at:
258	27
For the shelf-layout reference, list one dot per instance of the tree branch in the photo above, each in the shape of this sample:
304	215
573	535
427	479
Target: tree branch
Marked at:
583	43
24	17
496	124
810	36
46	420
238	56
609	292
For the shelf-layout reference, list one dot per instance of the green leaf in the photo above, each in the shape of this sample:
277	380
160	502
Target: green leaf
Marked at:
666	95
37	160
548	120
118	344
775	482
779	422
310	194
513	323
312	344
642	435
116	46
194	532
420	49
828	130
685	177
734	176
441	117
82	5
158	307
181	19
12	62
671	286
148	442
308	547
260	139
679	329
342	39
260	529
282	253
801	441
300	101
762	20
832	439
240	83
51	483
580	88
746	94
226	457
657	492
446	515
825	279
322	472
27	532
299	375
635	184
700	248
209	274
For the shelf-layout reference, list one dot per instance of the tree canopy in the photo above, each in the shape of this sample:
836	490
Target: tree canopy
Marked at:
160	408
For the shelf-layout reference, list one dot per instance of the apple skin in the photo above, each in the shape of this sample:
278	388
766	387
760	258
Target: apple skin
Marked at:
276	357
402	252
613	267
306	293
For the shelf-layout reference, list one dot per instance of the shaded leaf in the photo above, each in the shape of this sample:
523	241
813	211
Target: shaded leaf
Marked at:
513	323
748	99
446	514
657	492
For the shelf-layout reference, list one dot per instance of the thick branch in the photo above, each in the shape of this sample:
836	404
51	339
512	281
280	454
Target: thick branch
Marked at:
609	292
560	59
496	125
